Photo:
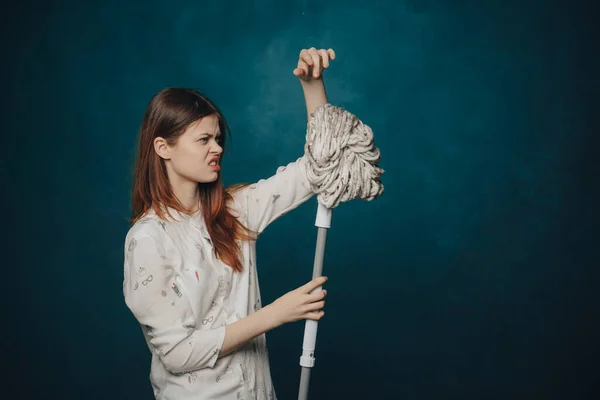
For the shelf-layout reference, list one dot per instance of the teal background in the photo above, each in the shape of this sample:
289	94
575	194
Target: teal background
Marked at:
475	275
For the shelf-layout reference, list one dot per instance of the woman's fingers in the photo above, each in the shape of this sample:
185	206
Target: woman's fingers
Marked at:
324	57
314	306
303	66
316	62
306	57
315	283
316	296
313	62
315	315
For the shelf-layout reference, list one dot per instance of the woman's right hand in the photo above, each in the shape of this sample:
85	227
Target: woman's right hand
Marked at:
300	303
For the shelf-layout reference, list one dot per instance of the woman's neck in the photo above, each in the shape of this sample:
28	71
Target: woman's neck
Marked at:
189	197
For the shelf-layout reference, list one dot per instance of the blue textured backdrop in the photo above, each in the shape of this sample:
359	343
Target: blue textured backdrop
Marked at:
474	276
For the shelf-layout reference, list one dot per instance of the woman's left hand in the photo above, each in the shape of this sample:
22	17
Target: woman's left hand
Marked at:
312	62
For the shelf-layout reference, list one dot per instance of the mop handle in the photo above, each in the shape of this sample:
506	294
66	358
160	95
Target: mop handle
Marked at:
323	221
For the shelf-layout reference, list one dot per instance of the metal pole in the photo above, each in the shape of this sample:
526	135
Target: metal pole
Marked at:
307	360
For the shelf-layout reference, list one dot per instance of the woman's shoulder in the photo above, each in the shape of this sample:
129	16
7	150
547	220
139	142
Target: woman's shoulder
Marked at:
149	226
236	196
236	189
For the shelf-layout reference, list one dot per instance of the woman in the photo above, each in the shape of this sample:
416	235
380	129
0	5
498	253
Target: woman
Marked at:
190	264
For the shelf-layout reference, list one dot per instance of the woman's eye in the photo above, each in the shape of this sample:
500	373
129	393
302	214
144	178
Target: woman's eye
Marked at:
206	139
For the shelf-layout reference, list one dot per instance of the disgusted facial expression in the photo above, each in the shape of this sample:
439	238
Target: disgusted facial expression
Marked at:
196	156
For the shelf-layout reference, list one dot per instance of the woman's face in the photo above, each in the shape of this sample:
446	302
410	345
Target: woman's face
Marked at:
195	149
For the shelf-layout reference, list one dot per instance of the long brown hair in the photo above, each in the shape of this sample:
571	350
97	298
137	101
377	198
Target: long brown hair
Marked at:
168	115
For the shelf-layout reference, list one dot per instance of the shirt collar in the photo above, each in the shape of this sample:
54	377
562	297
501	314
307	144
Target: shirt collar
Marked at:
195	219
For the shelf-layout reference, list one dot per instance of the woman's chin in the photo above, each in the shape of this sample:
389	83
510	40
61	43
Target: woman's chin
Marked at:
208	179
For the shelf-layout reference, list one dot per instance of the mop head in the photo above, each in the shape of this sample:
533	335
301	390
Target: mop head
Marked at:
341	157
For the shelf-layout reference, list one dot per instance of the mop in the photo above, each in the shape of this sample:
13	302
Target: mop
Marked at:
341	166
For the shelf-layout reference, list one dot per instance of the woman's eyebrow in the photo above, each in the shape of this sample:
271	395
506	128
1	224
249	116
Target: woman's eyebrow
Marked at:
210	134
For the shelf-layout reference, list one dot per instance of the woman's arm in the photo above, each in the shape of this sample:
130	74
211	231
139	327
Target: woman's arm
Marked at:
165	313
311	64
247	328
294	305
314	94
270	198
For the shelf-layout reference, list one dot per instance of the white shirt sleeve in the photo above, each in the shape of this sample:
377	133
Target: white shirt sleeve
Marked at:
159	303
268	199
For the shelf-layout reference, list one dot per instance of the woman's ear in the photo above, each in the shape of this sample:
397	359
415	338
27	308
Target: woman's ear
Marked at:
161	148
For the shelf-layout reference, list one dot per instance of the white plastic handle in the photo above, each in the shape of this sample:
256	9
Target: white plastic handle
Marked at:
323	219
308	347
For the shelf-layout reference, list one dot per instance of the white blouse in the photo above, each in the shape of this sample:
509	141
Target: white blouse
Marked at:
183	296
